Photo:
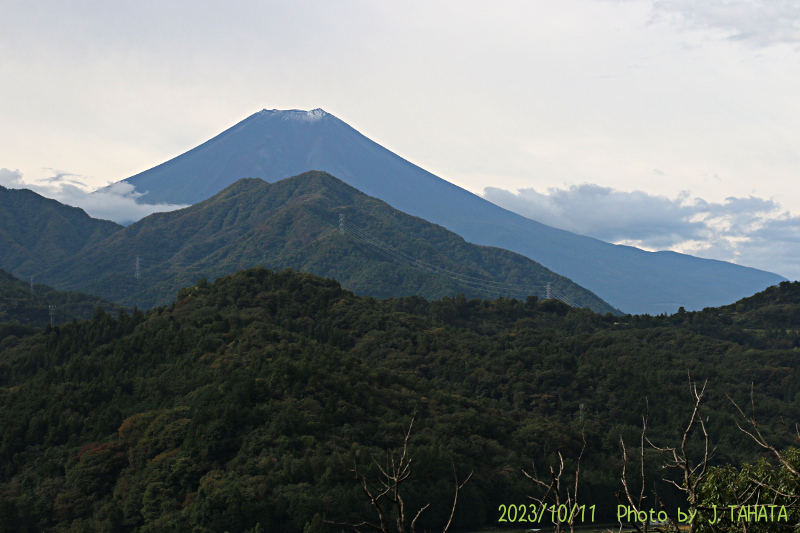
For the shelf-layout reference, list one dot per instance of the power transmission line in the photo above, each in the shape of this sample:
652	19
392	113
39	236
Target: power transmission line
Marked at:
418	263
487	286
482	284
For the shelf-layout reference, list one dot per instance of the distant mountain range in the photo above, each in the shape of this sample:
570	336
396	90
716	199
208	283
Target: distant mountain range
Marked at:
273	145
312	222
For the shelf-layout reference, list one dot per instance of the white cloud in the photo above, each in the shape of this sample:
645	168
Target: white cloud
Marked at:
749	231
11	178
761	22
116	202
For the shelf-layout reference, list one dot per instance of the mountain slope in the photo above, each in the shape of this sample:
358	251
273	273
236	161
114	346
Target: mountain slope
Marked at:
37	232
378	251
274	145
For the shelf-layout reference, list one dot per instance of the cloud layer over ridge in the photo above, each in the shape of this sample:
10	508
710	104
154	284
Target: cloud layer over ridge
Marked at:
749	231
117	202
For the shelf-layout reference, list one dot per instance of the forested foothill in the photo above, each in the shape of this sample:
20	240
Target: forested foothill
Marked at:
246	404
311	222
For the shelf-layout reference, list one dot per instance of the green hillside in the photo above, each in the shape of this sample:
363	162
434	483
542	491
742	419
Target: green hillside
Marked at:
37	233
238	407
294	223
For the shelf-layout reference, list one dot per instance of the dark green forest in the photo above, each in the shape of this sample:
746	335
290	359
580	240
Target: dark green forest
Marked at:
241	406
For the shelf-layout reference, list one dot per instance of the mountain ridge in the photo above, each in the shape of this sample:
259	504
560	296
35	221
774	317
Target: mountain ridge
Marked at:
296	223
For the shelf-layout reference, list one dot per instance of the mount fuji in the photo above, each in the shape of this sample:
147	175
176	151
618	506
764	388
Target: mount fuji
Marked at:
273	145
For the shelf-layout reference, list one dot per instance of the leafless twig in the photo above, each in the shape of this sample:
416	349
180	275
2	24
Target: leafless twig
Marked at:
387	490
553	491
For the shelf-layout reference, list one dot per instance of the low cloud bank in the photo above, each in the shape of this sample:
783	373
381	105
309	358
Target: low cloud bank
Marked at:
116	202
748	231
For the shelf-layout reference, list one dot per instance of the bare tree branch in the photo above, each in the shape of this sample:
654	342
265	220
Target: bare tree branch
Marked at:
758	437
384	495
553	489
455	498
636	505
676	457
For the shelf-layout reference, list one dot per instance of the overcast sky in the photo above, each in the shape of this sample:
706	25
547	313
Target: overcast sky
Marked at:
663	124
